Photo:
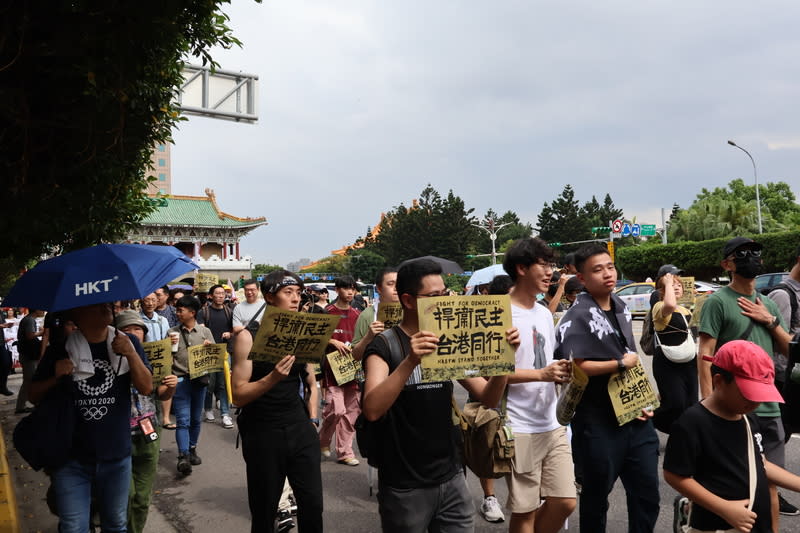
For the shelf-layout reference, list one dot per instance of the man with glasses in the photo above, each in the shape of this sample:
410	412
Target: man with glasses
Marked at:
737	311
421	485
249	310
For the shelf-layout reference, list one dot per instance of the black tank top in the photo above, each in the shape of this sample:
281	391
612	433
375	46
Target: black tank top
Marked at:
282	405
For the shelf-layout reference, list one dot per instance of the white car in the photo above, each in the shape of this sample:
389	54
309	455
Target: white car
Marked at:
637	297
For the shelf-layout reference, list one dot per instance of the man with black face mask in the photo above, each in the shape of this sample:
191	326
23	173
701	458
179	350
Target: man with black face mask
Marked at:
737	311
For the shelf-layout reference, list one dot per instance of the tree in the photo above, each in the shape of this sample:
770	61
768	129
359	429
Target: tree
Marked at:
260	269
364	265
726	212
86	91
431	226
564	220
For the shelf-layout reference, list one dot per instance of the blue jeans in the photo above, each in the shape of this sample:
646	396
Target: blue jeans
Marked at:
187	406
217	387
75	483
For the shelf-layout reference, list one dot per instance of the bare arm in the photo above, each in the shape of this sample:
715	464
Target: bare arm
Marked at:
557	371
708	346
167	387
670	301
242	389
598	368
733	512
556	299
488	392
361	346
313	395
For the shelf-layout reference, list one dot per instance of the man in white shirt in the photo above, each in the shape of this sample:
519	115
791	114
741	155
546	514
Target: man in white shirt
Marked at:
251	309
543	469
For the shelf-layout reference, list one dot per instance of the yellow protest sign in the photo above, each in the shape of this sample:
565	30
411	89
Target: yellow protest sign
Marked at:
390	313
204	281
159	354
344	367
304	335
472	336
571	395
689	297
206	358
630	392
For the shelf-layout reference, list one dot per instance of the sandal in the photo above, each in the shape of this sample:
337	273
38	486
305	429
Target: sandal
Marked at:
169	425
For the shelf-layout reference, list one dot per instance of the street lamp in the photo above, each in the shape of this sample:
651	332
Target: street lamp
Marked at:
489	226
758	198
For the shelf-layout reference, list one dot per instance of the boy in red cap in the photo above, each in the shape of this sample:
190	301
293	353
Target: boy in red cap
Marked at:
707	457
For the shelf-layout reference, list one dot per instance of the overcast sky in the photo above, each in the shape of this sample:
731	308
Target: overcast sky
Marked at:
361	104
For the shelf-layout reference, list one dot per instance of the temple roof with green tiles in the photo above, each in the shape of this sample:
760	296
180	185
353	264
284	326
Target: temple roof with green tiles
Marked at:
193	218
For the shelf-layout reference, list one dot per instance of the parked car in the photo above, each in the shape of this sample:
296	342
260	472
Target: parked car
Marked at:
765	282
703	287
637	297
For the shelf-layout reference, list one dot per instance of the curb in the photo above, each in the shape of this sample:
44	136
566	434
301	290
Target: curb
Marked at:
9	517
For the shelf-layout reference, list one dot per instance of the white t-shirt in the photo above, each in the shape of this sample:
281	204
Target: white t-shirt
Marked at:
243	312
531	406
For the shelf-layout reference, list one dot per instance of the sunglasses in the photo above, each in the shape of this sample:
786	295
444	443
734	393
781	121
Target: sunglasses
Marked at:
741	254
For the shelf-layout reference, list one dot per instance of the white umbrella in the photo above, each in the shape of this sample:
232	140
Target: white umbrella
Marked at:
484	276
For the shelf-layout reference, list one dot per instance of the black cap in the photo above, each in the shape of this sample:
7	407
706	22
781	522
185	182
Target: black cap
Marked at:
668	269
740	242
573	285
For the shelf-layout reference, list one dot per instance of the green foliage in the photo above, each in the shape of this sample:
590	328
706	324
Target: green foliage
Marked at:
456	282
334	264
565	220
260	269
726	212
702	259
434	226
364	265
87	89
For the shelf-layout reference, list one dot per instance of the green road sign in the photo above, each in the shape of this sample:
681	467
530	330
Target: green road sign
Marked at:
648	230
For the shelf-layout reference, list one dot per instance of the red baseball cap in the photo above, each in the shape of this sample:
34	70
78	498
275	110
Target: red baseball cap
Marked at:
751	367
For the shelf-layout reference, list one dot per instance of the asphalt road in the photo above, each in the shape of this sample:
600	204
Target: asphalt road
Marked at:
214	497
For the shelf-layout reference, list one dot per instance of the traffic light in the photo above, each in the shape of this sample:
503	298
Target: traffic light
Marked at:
555	244
601	229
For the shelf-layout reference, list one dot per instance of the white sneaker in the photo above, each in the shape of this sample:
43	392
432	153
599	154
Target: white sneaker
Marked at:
227	422
490	510
210	415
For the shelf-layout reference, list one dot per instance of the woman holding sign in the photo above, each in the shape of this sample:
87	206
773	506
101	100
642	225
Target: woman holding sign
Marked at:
279	438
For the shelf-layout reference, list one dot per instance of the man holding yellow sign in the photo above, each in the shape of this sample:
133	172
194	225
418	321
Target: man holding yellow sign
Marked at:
419	466
613	434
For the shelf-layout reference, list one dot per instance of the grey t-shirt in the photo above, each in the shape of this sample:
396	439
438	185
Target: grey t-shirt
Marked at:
243	313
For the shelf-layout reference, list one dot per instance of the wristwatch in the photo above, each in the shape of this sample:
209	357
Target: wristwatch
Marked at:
315	421
621	366
774	324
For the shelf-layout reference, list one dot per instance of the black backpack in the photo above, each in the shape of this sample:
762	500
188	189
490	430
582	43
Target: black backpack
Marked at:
794	320
648	339
44	437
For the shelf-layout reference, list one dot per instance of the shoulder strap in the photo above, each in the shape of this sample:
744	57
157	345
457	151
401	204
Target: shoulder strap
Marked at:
256	314
751	464
396	351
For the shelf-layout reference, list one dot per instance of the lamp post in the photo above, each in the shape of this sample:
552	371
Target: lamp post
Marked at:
758	198
489	226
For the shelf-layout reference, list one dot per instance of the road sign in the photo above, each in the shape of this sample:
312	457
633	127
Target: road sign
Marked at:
648	230
626	229
617	226
635	230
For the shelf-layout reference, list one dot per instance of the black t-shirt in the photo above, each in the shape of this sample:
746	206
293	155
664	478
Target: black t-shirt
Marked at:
713	451
282	405
28	348
218	321
417	441
103	404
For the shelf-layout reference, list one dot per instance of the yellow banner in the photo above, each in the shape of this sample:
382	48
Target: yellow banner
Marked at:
344	367
631	392
206	358
159	354
571	394
304	335
204	281
389	313
689	297
472	336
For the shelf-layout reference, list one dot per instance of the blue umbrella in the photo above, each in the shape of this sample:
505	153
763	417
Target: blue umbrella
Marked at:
98	274
485	275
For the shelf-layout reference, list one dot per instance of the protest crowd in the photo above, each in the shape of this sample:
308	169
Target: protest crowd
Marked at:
546	351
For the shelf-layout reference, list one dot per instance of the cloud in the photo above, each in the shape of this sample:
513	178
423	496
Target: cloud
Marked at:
362	104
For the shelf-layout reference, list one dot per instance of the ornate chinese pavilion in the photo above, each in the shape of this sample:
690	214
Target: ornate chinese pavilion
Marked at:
197	226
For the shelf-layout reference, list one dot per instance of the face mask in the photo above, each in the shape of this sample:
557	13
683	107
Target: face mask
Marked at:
748	267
